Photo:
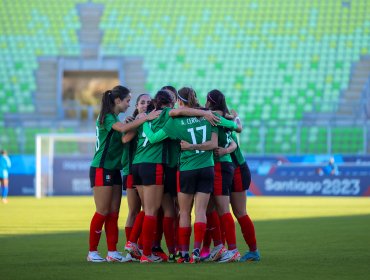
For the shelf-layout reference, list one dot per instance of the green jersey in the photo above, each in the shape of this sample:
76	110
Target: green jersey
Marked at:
147	152
237	155
127	156
224	137
196	131
108	147
173	151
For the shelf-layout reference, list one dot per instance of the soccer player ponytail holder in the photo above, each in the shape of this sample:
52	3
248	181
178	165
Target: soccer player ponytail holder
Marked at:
181	98
210	98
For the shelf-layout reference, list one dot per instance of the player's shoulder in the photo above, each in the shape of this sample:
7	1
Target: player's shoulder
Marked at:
108	118
111	116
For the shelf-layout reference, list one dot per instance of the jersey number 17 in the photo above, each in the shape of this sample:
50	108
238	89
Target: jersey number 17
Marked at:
203	128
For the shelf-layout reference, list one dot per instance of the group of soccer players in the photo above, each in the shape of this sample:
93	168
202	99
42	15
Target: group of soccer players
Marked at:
172	158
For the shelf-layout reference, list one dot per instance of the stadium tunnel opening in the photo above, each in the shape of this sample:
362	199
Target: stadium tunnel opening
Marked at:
82	92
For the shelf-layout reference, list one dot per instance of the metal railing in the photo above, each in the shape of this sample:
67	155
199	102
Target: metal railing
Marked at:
366	99
300	134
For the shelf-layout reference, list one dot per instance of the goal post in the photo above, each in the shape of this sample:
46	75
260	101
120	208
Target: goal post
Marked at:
62	163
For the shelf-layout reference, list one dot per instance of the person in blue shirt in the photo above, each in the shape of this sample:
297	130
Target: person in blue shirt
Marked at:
5	164
331	168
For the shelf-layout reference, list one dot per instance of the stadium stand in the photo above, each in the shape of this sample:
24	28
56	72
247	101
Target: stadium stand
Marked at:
280	63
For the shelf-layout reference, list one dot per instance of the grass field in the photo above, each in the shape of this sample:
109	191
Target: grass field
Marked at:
299	238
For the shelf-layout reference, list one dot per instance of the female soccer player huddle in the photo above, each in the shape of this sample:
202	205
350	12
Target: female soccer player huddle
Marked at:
172	160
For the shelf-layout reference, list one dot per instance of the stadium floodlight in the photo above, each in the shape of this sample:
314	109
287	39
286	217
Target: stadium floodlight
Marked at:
57	147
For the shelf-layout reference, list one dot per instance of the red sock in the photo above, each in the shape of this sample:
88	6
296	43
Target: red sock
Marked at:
216	228
159	229
199	230
111	231
140	241
128	233
248	231
149	228
228	225
176	235
136	229
169	229
184	238
222	232
207	238
96	226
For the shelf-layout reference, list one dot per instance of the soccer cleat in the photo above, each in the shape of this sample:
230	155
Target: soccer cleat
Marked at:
215	254
114	256
5	201
251	257
131	258
172	258
230	256
195	256
93	256
157	251
128	258
178	255
133	249
150	259
184	258
204	253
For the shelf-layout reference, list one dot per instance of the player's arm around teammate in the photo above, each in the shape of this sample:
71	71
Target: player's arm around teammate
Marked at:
221	151
193	112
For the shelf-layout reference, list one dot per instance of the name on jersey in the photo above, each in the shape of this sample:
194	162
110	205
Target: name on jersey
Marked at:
192	120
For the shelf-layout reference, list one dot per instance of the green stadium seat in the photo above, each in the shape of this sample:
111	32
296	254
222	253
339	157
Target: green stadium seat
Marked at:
276	66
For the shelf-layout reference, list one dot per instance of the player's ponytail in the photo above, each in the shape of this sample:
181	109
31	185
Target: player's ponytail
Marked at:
107	102
216	101
162	99
188	96
192	99
173	92
106	105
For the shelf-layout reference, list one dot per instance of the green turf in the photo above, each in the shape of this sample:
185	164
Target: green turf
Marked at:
299	238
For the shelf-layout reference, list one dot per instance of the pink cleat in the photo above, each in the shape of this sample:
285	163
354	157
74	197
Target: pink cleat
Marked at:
205	252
